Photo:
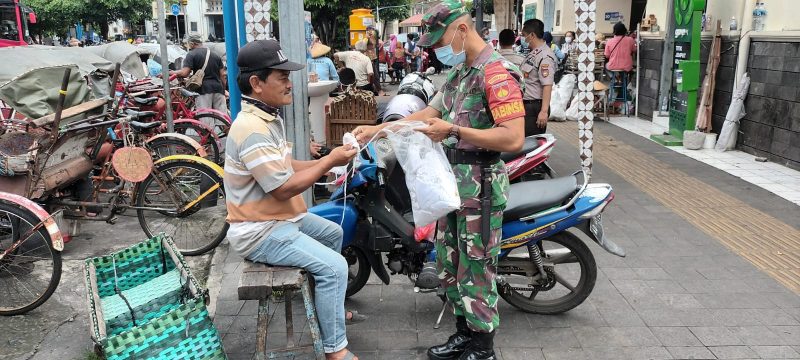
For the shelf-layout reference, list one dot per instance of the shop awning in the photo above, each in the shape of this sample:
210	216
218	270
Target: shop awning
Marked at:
415	20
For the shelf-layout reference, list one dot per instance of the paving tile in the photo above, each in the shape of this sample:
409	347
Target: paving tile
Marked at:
680	301
715	336
399	340
229	307
734	301
675	336
733	352
539	337
223	322
243	324
665	286
775	352
399	355
621	317
392	322
648	352
565	354
758	335
511	353
620	273
690	352
659	317
651	273
737	317
774	316
789	333
359	340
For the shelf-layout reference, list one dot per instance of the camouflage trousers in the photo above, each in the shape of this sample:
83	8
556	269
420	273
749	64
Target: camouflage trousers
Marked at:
467	266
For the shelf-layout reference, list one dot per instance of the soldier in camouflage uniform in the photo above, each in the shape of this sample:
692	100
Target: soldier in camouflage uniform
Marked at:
478	114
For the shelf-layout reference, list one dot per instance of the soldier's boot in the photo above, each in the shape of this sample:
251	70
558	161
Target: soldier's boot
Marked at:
481	347
455	345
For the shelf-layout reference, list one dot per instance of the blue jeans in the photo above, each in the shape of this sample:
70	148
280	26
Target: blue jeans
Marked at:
315	244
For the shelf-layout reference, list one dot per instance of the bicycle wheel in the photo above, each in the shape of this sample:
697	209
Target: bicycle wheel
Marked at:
173	193
163	147
30	272
202	136
216	122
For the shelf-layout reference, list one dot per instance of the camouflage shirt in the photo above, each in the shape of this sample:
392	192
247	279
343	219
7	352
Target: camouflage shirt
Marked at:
480	96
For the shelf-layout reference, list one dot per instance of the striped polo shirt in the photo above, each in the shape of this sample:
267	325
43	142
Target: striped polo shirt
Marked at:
258	160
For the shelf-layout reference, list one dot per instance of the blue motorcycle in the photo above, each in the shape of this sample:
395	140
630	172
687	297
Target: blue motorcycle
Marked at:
542	268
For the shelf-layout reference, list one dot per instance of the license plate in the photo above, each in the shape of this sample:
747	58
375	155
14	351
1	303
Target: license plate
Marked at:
596	227
383	67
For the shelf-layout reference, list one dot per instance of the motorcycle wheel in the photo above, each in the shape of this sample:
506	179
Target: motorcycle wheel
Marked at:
358	269
563	254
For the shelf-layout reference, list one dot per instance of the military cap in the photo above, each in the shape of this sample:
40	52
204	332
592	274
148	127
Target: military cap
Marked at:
438	18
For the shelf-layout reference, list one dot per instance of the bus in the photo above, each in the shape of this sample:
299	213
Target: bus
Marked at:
14	20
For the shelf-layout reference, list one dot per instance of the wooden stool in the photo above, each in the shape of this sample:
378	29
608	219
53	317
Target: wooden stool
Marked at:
258	281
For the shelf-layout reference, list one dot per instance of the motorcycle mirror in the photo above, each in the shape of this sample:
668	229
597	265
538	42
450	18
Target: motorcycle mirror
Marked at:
430	71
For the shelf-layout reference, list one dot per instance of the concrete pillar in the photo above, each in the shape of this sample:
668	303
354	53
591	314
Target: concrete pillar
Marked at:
504	14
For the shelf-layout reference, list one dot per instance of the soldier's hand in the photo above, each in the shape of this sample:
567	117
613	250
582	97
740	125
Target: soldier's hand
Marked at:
541	120
437	129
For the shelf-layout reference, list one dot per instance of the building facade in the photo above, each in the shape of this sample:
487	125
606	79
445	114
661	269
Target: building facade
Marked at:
770	56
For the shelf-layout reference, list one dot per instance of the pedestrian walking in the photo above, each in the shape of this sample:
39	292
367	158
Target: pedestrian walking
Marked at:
212	90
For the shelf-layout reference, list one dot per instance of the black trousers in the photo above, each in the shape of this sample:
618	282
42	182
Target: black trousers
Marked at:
532	109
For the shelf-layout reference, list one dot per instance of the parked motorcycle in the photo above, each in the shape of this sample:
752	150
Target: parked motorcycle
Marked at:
542	267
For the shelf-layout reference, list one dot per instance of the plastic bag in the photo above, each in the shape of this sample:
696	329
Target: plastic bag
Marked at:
572	112
561	96
429	177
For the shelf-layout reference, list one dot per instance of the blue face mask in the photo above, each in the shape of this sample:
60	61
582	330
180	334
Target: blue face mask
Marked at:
524	41
446	56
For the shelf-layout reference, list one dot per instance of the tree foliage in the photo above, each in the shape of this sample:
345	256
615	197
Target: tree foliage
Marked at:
56	16
331	19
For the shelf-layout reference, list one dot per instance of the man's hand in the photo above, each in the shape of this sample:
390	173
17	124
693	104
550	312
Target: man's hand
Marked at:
314	148
541	120
342	155
365	133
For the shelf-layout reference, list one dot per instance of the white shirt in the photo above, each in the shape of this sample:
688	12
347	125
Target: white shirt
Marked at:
360	63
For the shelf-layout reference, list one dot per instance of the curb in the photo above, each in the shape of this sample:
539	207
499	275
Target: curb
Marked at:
215	274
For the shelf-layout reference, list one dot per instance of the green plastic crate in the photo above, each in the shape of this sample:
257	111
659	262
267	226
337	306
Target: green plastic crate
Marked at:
144	303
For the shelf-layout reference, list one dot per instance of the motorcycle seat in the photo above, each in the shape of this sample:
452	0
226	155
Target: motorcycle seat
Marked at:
187	93
143	127
138	115
145	101
530	197
531	143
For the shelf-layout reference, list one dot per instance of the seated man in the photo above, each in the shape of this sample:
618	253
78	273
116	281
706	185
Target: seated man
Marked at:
263	185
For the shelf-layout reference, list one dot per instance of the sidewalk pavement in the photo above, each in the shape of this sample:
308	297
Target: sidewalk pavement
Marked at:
711	260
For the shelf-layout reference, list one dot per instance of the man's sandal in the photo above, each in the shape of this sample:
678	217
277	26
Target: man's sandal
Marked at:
355	318
349	356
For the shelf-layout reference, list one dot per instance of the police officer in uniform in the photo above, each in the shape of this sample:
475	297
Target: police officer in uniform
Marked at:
478	114
539	70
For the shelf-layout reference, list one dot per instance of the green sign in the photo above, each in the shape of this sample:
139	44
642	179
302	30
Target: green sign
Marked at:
686	70
530	12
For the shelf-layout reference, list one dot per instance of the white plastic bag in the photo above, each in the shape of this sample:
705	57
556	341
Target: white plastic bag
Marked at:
561	96
429	177
572	112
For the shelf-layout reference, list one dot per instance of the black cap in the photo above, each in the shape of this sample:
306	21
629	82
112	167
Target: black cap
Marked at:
264	54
